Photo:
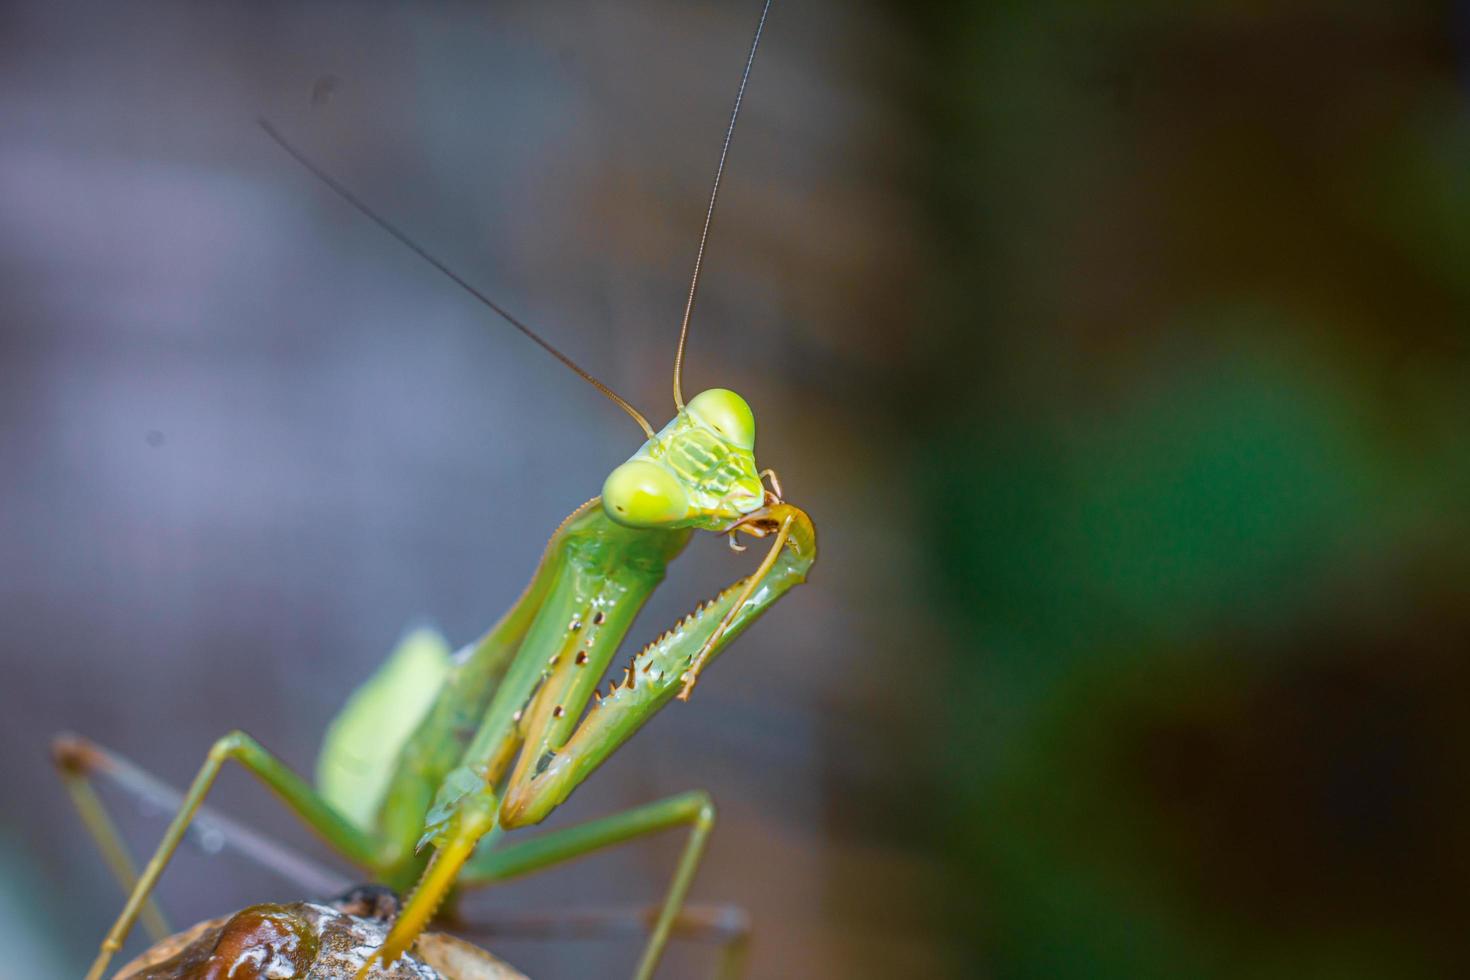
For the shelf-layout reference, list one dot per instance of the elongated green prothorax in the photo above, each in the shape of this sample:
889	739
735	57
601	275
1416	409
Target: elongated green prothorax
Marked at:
698	471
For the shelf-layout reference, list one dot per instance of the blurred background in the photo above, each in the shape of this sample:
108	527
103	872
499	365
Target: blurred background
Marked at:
1120	353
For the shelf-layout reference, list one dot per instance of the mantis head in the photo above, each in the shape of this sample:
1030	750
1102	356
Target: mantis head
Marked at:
698	471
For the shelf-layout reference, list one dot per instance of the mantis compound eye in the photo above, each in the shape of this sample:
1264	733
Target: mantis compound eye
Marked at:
727	414
644	494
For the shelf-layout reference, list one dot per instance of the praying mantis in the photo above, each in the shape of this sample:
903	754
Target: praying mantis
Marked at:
501	734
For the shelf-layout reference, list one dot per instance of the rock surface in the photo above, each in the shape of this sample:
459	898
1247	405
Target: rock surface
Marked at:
304	941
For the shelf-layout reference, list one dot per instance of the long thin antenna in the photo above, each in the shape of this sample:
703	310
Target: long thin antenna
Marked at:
710	212
453	276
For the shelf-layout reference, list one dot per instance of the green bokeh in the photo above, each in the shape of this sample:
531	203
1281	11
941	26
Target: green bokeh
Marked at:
1194	504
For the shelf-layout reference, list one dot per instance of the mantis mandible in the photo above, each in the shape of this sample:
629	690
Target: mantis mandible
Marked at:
510	726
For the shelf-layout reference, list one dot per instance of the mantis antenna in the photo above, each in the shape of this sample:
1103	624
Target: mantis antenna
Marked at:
710	211
352	199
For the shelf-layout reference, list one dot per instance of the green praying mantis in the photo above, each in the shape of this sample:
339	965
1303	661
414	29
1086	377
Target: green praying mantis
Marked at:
435	758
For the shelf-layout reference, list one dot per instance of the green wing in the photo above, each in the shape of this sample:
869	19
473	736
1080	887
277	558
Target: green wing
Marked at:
363	742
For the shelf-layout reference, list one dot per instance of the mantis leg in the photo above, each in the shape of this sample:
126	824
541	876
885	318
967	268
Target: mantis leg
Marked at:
75	769
298	796
80	761
694	810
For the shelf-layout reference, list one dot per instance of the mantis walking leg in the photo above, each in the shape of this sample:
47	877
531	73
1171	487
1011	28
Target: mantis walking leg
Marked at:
75	767
694	810
81	762
294	791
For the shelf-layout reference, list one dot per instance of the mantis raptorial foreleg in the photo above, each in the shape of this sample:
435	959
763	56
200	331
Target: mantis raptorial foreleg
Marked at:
661	671
558	751
696	665
294	791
